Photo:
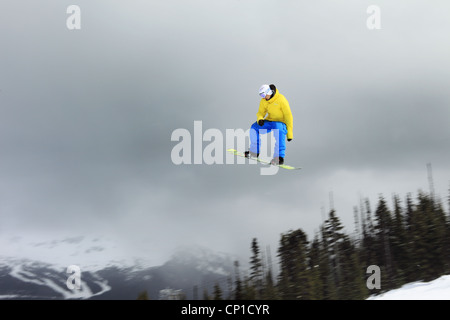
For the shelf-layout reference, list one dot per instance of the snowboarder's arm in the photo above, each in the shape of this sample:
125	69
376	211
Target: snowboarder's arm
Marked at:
288	119
261	112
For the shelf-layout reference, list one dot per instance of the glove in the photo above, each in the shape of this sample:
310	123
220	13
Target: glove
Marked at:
289	140
261	122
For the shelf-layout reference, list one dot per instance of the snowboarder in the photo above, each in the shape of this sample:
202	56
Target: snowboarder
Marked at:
279	116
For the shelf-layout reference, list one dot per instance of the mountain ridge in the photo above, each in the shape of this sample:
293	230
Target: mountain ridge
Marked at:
188	268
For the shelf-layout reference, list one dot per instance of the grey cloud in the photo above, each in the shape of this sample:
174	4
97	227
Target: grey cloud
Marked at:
87	115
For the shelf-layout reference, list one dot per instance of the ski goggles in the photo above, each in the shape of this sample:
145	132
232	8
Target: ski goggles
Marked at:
264	93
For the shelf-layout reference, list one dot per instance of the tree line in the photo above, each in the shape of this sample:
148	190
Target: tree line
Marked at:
408	242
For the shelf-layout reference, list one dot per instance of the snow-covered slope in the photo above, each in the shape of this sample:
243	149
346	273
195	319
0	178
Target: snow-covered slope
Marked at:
38	270
29	279
438	289
29	275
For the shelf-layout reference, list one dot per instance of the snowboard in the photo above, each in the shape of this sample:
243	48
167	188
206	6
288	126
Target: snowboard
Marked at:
266	162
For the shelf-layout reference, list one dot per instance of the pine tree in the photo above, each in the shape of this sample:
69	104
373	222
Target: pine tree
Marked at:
217	292
334	235
269	292
382	228
346	281
238	295
398	240
256	269
327	268
294	279
409	215
447	238
351	285
432	236
367	253
411	263
249	290
441	237
315	261
206	295
269	288
230	288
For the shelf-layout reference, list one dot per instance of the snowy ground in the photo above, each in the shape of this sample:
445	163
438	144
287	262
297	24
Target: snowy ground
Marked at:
438	289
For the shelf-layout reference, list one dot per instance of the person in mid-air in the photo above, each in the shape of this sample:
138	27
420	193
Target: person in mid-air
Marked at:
279	120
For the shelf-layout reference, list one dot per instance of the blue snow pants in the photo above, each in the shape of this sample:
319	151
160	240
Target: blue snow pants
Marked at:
279	135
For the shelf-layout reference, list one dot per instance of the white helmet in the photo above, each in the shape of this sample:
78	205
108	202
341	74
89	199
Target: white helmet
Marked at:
265	90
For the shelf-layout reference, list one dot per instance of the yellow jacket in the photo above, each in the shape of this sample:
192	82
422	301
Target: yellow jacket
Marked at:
277	109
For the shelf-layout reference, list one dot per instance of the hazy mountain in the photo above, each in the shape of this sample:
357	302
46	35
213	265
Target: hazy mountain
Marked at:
188	268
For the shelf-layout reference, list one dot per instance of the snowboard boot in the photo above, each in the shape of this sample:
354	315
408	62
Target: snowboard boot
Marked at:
277	161
249	154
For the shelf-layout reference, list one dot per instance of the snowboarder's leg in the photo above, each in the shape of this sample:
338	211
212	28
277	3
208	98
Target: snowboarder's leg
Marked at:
255	141
279	132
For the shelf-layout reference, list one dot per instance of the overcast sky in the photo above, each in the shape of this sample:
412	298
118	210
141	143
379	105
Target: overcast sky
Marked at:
86	116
